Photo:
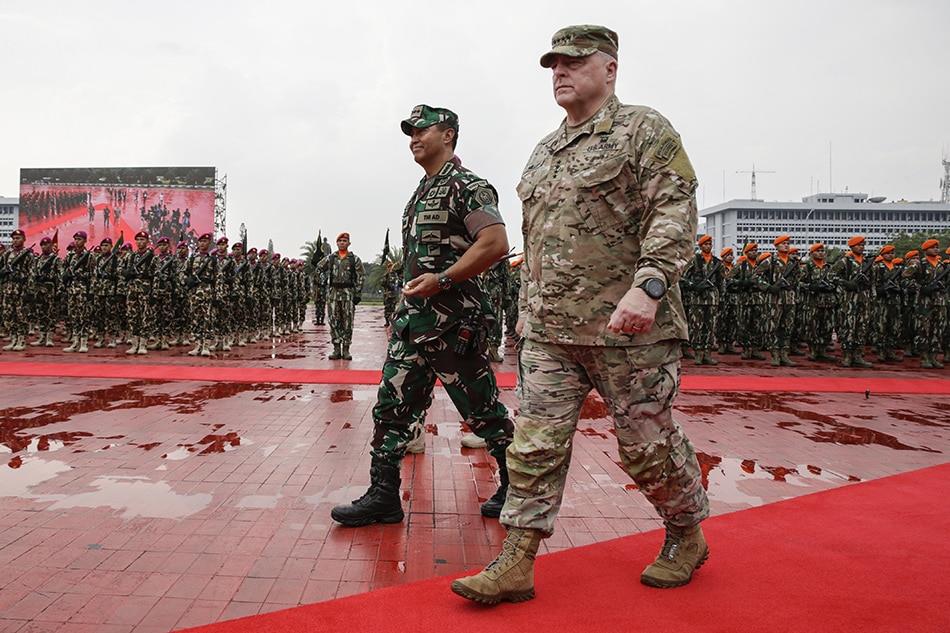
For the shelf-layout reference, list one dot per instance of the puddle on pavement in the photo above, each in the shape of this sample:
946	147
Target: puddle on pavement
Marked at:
20	426
812	425
134	497
20	478
263	502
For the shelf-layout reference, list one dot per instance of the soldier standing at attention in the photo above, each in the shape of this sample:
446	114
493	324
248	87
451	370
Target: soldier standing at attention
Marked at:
15	265
726	323
200	274
222	323
609	217
344	273
911	293
46	274
931	275
496	286
392	289
704	279
818	284
140	272
887	278
853	274
103	287
182	327
77	276
779	279
750	304
511	298
164	294
451	232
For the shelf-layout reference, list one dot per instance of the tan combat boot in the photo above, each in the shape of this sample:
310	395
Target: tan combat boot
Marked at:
684	551
197	349
74	346
19	343
510	576
13	339
83	345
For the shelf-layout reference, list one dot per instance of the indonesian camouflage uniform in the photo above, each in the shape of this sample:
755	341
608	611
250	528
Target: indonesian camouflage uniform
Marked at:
392	290
704	281
726	321
164	297
495	281
511	300
140	271
345	282
443	336
932	277
222	324
15	268
607	205
103	290
201	272
854	301
44	279
77	277
749	309
887	281
319	296
778	279
818	286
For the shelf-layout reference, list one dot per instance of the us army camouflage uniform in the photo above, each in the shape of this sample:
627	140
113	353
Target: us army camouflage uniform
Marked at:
704	281
441	222
345	282
618	194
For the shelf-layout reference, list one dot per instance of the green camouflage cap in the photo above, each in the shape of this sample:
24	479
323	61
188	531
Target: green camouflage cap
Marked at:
423	116
581	40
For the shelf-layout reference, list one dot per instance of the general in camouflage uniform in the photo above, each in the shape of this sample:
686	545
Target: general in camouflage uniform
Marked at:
44	279
439	329
704	280
609	217
15	265
78	270
855	294
344	273
726	323
778	277
887	284
932	277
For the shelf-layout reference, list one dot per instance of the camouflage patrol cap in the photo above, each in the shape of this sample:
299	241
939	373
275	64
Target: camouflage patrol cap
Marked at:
423	116
581	40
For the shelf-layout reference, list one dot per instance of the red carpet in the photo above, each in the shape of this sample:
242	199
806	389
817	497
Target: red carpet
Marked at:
691	382
864	557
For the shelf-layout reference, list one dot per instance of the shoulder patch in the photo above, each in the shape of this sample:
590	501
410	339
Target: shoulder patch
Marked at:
485	196
666	147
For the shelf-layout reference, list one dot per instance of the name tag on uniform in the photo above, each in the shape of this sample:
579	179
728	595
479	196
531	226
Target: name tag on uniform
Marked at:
432	217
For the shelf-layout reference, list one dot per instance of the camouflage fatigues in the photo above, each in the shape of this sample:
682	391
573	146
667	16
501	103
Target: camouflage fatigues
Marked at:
818	286
932	278
441	221
15	269
704	282
139	273
607	205
778	279
345	281
77	277
44	279
854	301
887	309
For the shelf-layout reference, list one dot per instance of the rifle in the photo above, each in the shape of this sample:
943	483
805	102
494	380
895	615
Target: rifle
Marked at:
937	285
861	277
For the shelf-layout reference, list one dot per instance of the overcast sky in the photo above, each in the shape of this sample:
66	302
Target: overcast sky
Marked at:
299	103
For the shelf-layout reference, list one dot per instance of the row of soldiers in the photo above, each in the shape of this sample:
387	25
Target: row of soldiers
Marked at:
151	296
781	302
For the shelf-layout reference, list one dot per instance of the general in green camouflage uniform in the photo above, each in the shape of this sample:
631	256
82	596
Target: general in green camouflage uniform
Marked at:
344	272
855	293
609	217
703	279
451	226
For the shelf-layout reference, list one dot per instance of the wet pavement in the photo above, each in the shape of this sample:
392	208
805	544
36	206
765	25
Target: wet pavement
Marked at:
148	506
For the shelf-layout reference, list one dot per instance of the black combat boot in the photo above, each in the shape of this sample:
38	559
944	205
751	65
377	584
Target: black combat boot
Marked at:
492	507
345	354
380	503
336	355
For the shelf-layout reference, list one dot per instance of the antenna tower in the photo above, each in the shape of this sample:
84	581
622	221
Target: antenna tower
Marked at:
754	172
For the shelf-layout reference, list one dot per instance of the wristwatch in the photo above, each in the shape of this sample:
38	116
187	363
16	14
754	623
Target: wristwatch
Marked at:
655	288
445	282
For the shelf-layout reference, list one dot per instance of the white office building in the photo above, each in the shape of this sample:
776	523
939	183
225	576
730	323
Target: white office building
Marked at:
831	218
9	218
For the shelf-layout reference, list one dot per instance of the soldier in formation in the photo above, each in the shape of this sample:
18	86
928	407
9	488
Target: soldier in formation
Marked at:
148	297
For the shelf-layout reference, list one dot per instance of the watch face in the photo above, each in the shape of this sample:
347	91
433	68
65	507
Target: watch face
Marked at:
654	288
